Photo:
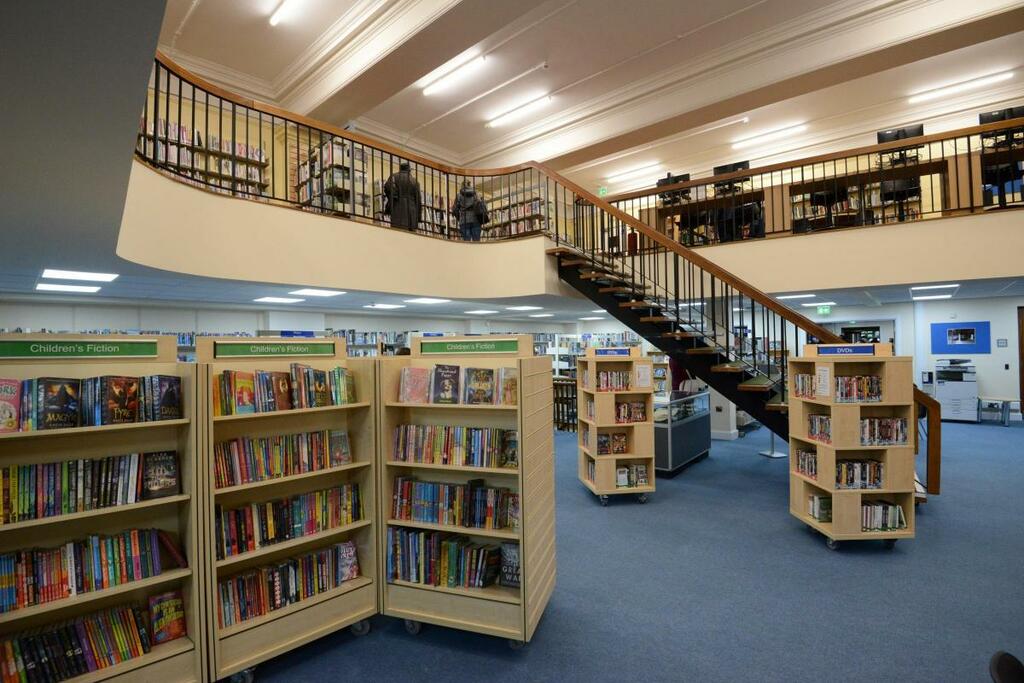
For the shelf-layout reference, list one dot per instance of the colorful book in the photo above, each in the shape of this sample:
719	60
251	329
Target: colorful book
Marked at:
508	387
10	405
159	475
414	385
282	390
57	403
168	398
167	615
478	386
243	392
445	384
340	450
119	400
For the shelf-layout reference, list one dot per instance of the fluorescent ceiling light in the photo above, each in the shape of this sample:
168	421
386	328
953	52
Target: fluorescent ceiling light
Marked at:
931	297
524	308
542	315
592	317
426	300
770	136
480	312
599	310
519	111
277	300
317	292
54	274
280	12
84	289
738	310
914	289
963	86
384	306
796	296
821	303
646	169
450	77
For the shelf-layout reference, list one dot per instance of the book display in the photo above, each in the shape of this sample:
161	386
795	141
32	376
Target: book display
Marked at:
288	487
99	527
333	177
467	485
616	422
851	426
662	373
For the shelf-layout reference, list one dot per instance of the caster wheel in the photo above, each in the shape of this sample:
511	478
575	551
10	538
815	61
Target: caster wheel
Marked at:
515	644
360	628
831	544
604	500
642	498
413	627
244	676
890	543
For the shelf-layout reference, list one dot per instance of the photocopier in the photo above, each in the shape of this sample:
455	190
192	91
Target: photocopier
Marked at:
956	389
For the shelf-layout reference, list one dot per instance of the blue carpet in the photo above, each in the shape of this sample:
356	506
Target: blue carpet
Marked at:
713	580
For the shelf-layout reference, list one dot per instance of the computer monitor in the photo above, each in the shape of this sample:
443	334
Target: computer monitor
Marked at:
730	168
677	195
901	189
830	196
894	134
1001	115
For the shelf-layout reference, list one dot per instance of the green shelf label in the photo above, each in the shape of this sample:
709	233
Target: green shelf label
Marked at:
100	348
454	348
261	349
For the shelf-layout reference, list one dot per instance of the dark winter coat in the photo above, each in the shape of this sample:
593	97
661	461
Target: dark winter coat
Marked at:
402	194
468	208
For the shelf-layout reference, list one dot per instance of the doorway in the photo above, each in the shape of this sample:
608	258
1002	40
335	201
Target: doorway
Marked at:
1020	351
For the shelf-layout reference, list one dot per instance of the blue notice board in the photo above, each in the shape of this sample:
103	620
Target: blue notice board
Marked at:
965	338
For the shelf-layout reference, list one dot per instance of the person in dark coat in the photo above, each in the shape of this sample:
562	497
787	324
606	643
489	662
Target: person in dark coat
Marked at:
470	212
402	197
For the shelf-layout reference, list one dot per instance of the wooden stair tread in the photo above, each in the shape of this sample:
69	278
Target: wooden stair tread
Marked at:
619	289
731	366
654	319
756	384
558	251
638	304
679	335
776	404
702	350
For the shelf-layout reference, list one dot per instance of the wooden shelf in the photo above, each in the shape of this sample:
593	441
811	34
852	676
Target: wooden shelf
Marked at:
158	653
275	481
464	530
345	587
290	413
112	510
83	599
454	468
449	406
495	592
617	490
291	544
88	431
615	456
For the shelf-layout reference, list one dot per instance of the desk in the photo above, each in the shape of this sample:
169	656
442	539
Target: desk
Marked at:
1004	407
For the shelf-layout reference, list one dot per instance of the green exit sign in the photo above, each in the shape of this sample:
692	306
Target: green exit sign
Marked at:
824	310
602	191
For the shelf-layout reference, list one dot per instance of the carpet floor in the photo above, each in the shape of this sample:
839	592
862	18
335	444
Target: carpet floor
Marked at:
713	580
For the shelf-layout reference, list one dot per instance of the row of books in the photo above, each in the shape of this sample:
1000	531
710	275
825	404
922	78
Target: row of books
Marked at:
630	411
471	505
236	392
611	380
858	388
819	428
882	515
883	431
442	384
176	132
93	642
632	476
616	443
60	488
533	208
591	470
250	527
820	507
357	337
803	386
248	459
41	575
263	590
60	403
807	463
859	474
453	445
435	558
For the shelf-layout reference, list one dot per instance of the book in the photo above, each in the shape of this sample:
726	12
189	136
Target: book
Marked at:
510	565
119	397
281	390
454	445
340	451
604	444
172	550
168	398
445	384
510	449
471	505
10	405
414	385
243	392
348	561
478	387
508	387
160	475
248	459
58	403
622	476
619	443
167	616
434	558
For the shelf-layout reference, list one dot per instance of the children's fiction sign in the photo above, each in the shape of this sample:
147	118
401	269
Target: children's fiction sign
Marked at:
455	348
258	349
77	348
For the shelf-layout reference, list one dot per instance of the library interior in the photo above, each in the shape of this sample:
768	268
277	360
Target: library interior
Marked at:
538	340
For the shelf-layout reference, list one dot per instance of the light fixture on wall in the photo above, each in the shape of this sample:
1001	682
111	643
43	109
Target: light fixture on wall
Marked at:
962	86
316	292
84	275
277	300
528	106
444	78
770	136
281	12
80	289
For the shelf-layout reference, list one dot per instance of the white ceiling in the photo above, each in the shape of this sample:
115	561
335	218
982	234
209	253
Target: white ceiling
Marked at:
895	294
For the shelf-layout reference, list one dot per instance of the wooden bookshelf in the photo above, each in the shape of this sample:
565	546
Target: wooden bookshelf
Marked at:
28	356
596	412
499	610
662	372
824	363
244	644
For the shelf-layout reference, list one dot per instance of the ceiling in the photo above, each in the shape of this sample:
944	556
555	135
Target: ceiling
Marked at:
896	294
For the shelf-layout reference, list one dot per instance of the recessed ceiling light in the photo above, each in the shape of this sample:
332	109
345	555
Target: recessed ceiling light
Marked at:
83	289
599	310
445	77
821	303
542	315
931	297
962	86
592	317
317	292
644	169
384	306
524	308
480	312
54	274
770	136
280	12
923	287
529	105
796	296
426	300
277	300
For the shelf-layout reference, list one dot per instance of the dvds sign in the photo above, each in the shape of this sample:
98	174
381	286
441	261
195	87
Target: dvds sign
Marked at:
847	350
101	348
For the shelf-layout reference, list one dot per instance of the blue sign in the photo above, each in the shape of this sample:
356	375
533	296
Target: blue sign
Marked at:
611	352
847	350
961	338
297	333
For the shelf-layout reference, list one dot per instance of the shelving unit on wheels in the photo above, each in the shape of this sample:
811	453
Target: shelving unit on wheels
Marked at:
844	470
616	456
508	611
245	643
29	356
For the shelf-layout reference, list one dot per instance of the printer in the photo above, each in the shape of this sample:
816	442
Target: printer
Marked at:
956	389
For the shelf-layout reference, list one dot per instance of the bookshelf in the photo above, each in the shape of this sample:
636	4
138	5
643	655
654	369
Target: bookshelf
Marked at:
240	645
78	356
333	177
836	457
616	457
662	373
512	612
